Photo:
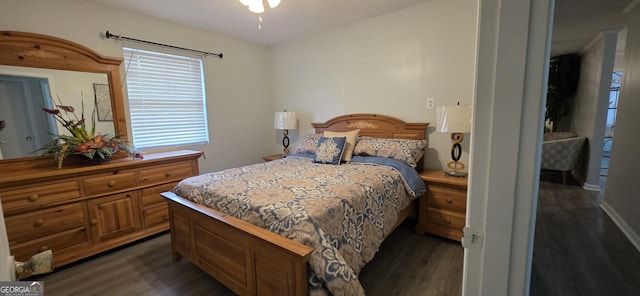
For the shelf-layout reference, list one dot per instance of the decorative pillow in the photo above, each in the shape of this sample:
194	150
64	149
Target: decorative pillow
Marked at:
307	144
352	138
405	150
330	150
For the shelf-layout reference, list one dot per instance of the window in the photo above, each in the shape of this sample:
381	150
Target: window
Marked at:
611	122
166	99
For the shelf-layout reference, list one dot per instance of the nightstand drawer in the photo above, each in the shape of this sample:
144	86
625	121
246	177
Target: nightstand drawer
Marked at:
448	232
447	198
445	218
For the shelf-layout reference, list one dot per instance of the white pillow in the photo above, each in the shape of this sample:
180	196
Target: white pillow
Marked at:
352	137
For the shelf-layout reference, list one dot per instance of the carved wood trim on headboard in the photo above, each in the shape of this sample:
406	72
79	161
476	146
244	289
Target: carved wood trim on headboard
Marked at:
375	125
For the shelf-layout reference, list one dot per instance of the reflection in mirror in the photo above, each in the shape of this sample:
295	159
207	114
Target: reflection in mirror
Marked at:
25	91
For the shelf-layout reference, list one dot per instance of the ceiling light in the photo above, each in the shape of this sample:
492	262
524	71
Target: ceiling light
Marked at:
257	6
273	3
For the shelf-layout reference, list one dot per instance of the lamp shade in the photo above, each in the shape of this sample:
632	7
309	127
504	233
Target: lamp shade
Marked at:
285	120
454	119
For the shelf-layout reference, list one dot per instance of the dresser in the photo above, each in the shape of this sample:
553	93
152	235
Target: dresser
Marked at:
443	208
83	209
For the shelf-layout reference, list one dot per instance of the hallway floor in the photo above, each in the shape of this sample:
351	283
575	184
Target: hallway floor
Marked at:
578	249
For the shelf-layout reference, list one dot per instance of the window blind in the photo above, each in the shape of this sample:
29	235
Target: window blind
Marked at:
167	104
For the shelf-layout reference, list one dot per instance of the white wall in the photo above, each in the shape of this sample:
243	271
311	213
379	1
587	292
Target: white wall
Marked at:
589	114
621	197
238	87
388	65
620	45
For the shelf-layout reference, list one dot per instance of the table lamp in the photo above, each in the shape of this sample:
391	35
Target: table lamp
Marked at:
454	119
285	121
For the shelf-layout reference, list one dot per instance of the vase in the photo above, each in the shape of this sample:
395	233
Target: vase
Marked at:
84	160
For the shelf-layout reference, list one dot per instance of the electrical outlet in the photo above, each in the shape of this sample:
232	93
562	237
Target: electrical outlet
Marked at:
431	103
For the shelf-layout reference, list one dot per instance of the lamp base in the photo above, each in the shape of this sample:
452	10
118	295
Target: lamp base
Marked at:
456	173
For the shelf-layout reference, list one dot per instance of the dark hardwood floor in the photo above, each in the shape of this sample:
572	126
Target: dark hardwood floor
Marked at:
407	264
578	251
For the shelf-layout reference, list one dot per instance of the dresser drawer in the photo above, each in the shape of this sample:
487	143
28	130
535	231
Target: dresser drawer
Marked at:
156	215
109	183
447	198
151	195
60	244
445	218
161	174
34	224
39	195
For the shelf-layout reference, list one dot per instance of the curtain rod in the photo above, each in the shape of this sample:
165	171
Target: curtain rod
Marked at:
109	35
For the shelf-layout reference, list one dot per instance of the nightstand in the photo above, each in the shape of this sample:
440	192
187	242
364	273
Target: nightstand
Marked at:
272	157
442	210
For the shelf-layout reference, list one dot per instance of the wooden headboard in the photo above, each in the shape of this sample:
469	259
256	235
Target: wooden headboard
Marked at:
375	125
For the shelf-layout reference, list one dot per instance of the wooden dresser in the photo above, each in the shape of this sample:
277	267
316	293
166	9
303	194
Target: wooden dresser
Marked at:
81	210
442	210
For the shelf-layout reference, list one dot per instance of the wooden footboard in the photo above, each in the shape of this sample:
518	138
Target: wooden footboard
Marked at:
242	256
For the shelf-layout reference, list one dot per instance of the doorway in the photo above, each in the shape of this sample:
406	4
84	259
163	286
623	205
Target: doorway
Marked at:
23	135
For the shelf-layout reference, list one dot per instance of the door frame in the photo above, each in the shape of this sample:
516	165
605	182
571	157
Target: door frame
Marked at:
513	51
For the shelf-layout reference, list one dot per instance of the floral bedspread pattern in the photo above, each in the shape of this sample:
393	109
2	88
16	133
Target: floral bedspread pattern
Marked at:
342	211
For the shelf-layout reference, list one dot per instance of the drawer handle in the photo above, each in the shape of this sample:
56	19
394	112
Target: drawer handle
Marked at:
34	197
111	183
167	174
449	200
44	248
447	220
94	221
38	222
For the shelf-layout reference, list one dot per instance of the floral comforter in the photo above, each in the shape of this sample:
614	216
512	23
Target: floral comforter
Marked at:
342	211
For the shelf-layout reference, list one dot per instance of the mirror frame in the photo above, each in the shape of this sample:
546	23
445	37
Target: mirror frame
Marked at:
42	51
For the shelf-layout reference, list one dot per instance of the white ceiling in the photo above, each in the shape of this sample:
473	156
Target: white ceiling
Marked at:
576	22
291	19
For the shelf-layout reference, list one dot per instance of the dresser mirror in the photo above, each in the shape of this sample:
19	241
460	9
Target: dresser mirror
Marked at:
39	71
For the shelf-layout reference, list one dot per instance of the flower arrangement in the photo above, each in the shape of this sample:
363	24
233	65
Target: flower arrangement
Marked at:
83	141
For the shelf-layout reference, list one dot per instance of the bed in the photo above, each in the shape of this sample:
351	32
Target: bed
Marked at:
286	227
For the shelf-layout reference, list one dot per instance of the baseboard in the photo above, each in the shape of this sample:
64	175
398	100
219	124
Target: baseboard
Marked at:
631	235
591	187
586	186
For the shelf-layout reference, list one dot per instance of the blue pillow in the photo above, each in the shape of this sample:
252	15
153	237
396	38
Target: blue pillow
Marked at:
330	150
